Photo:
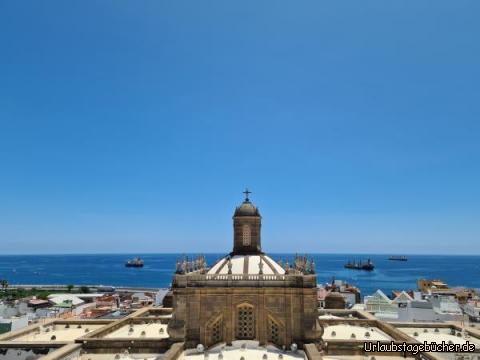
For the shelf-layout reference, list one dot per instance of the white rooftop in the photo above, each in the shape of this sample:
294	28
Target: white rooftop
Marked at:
118	356
249	350
438	335
61	298
362	357
152	330
80	295
354	332
329	317
59	332
248	265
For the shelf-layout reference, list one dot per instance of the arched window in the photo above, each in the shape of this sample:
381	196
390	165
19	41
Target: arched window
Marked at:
215	331
273	331
246	322
246	235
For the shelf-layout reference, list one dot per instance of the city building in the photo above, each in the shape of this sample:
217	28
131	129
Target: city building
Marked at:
350	293
381	305
246	306
246	295
425	285
439	287
420	308
472	309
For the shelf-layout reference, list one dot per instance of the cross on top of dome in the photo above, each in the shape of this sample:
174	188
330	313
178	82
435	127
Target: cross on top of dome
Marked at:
247	192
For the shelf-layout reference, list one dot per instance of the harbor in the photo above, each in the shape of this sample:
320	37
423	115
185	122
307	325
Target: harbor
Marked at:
110	270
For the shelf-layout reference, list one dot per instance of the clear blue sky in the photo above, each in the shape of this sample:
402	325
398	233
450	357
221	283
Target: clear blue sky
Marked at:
133	126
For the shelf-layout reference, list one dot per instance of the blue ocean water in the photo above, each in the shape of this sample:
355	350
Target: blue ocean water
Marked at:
158	270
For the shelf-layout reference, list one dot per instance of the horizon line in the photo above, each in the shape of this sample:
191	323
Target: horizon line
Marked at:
217	253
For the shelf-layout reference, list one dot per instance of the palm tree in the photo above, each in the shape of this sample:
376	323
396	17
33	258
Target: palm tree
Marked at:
4	284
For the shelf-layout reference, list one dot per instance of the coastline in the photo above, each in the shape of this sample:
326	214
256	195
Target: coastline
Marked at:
77	287
109	270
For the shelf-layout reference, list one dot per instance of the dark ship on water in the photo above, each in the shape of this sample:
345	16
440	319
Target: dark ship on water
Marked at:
136	262
360	265
398	258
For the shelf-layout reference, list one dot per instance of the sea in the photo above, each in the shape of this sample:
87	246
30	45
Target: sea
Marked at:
110	270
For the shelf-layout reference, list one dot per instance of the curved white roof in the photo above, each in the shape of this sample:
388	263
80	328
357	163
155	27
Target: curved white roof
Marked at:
61	298
347	331
248	265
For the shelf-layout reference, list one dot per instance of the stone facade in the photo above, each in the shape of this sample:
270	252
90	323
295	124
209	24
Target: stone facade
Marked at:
267	303
246	234
270	315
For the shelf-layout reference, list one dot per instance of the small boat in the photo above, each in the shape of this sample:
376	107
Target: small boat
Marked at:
136	262
398	258
366	265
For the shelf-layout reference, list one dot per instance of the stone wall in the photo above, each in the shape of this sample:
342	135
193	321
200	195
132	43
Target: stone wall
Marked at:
279	315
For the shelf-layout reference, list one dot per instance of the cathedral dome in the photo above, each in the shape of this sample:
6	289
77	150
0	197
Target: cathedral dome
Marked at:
246	209
247	265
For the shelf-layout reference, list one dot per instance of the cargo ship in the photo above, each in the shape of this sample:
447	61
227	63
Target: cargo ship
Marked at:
136	262
365	265
398	258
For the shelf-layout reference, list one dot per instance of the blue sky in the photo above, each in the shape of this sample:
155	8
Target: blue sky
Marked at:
134	126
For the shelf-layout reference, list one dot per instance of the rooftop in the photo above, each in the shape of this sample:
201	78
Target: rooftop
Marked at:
246	209
439	334
150	330
58	332
248	350
354	332
362	357
248	265
125	355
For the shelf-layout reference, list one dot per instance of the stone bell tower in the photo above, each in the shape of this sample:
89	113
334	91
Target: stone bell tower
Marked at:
246	228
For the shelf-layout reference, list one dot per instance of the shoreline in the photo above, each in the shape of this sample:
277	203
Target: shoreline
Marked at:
129	254
61	287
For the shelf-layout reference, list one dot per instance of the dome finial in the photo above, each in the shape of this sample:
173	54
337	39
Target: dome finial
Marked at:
247	192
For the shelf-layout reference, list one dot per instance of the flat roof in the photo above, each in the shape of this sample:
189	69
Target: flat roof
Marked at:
362	357
79	295
117	356
58	332
354	332
248	349
153	330
438	335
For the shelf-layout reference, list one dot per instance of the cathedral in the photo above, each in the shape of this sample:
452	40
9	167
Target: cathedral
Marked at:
236	310
245	295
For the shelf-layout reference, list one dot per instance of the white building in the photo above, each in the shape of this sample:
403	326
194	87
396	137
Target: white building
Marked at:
159	296
446	307
403	297
14	316
407	309
14	323
472	309
380	305
431	309
416	310
65	299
